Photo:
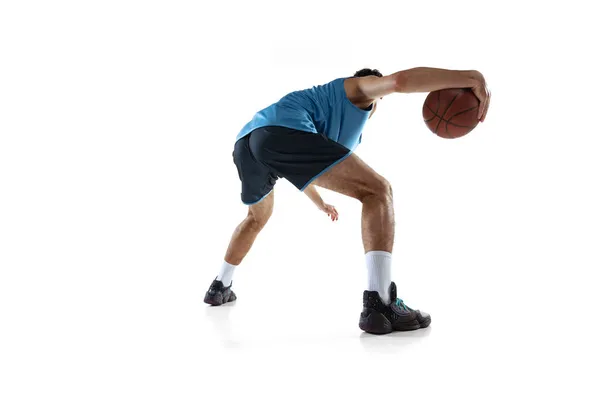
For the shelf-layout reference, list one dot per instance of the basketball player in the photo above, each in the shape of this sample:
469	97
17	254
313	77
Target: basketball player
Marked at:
308	137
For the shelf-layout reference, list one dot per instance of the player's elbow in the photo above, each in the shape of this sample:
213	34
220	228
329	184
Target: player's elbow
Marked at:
401	82
405	81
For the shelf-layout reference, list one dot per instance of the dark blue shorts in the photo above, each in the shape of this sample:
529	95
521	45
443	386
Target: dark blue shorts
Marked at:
274	152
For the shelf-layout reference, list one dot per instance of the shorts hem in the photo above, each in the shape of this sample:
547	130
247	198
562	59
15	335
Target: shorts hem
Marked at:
259	200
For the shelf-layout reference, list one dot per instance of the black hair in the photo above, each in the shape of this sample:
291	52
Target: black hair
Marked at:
368	72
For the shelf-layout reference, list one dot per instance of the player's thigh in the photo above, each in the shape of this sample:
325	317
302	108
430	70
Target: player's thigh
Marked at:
354	178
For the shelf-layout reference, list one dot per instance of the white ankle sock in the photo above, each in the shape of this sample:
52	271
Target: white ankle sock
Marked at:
226	273
379	269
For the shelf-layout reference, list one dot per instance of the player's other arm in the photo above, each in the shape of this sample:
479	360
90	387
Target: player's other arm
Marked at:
365	90
311	192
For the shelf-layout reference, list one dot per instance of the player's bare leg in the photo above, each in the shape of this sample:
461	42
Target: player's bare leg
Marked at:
382	312
241	241
246	232
354	178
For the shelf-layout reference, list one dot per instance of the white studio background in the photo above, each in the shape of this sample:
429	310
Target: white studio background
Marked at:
118	196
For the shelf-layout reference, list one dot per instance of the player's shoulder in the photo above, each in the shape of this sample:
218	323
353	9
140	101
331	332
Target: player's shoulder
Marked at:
331	92
333	88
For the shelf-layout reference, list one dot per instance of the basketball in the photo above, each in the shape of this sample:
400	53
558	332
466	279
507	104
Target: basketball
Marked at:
451	113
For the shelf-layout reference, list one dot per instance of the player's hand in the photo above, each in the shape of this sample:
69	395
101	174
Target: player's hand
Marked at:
330	211
483	94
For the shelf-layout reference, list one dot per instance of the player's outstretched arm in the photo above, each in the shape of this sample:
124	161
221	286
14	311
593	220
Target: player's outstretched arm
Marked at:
423	79
364	90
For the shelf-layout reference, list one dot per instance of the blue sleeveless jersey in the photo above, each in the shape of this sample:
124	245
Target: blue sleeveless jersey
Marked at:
323	109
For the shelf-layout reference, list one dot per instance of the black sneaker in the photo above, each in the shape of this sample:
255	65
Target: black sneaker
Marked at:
218	294
380	318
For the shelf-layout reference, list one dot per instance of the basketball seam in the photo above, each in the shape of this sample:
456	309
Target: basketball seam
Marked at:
451	123
437	109
430	119
470	128
462	112
446	110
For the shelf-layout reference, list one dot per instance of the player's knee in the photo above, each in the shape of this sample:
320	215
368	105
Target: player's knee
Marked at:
382	189
256	221
253	224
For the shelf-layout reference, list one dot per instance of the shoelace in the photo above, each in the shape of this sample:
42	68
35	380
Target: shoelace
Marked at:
400	303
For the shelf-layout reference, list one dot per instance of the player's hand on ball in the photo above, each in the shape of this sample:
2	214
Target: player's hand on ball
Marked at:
330	211
483	94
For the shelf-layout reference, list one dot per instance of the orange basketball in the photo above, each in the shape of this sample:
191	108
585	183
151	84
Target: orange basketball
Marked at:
451	113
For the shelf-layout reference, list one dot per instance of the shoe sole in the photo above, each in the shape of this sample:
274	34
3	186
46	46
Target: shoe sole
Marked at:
377	323
218	301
